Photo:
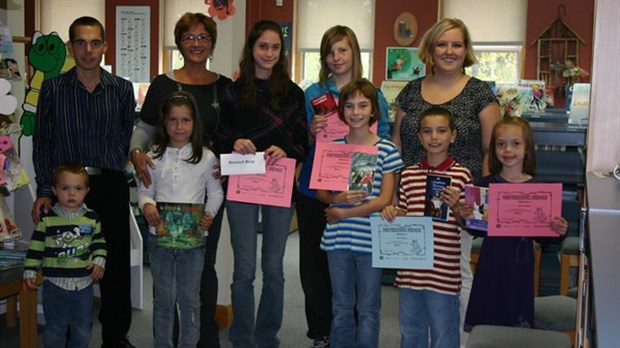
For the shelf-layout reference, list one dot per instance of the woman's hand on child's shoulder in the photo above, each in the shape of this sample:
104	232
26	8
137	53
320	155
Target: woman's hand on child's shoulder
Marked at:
390	213
559	225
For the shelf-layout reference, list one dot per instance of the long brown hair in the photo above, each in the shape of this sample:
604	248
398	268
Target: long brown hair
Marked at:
279	78
162	139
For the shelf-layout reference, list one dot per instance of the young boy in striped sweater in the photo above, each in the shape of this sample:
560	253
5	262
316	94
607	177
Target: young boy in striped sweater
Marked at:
69	247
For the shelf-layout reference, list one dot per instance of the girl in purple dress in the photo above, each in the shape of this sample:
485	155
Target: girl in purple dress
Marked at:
503	288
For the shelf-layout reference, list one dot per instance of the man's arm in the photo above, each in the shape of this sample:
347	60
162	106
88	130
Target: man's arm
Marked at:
43	149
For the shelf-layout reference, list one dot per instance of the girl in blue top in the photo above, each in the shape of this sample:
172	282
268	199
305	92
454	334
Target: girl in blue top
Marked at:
356	285
341	63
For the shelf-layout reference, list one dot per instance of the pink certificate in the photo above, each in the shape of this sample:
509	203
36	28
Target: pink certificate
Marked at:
332	165
523	210
336	128
275	187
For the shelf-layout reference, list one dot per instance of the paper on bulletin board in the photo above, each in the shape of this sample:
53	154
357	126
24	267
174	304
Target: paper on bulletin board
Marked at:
403	63
133	40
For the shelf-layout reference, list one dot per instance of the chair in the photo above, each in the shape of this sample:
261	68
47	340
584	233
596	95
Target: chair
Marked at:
491	336
475	254
556	313
569	257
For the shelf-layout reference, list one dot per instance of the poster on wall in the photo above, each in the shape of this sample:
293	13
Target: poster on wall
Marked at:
133	37
403	63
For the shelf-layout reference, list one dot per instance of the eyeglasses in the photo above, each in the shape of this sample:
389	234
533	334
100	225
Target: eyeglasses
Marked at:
202	38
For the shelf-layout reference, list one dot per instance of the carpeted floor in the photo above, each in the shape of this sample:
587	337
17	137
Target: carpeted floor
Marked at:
294	326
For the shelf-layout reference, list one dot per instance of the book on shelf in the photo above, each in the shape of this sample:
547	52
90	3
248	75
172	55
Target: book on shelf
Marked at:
478	198
433	205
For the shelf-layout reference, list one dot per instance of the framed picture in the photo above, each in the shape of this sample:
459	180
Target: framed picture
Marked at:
403	63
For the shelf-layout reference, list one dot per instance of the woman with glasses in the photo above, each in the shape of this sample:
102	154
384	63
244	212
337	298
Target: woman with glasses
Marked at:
195	35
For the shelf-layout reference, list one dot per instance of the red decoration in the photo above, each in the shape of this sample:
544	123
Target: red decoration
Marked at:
221	8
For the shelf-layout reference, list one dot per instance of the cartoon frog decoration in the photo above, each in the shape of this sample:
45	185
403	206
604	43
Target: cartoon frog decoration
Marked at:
49	56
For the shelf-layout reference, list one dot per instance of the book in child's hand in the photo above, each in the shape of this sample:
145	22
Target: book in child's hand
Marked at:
433	206
325	104
478	198
180	225
362	171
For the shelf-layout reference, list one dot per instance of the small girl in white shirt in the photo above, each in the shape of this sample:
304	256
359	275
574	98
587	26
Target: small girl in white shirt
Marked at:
175	209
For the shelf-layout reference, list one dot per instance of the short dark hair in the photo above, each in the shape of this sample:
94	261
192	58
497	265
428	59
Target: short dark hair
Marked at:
85	21
190	20
438	111
365	88
73	168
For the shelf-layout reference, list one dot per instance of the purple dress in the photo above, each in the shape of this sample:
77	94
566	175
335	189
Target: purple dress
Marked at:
503	289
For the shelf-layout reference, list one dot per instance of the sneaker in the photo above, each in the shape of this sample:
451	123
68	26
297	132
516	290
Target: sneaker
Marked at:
322	342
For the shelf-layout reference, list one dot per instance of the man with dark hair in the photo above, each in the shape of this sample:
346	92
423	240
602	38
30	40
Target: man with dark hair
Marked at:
86	116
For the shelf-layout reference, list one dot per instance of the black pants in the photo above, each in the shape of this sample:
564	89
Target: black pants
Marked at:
109	198
314	271
209	330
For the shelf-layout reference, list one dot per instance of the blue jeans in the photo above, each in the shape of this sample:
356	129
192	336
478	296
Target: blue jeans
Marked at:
423	309
246	329
176	282
67	309
356	285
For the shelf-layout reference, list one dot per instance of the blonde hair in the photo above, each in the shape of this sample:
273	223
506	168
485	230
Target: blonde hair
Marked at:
432	35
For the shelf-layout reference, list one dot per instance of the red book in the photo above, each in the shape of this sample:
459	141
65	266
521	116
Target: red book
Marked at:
325	104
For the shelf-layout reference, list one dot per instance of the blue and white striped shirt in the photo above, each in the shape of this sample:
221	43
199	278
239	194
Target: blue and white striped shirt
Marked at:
74	125
354	233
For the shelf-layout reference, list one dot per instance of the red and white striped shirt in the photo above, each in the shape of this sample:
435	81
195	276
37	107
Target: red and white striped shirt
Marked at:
445	276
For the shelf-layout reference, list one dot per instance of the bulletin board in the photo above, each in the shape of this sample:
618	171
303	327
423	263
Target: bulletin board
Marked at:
133	39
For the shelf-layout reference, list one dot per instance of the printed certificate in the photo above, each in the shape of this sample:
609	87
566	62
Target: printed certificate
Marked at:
275	187
406	243
331	168
523	210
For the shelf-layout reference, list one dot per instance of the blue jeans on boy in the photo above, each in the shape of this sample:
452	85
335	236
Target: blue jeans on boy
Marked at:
67	309
176	282
262	330
423	309
356	285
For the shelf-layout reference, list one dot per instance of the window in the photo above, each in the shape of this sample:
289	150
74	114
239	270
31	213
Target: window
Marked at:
496	63
316	16
497	40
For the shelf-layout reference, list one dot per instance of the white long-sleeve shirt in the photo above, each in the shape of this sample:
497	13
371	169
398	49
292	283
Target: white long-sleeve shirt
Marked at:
175	180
